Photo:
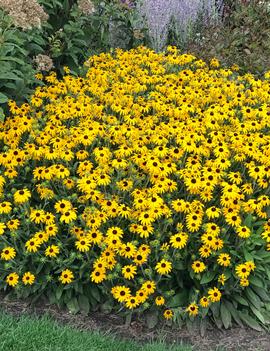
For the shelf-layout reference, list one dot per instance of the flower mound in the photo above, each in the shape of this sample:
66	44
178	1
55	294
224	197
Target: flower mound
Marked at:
141	186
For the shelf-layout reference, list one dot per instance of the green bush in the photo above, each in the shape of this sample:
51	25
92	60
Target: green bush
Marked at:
242	39
16	71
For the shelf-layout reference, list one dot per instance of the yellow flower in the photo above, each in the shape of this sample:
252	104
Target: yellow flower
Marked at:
28	278
129	271
159	301
12	279
193	309
66	276
52	251
8	253
224	260
168	314
163	267
22	196
198	266
204	301
214	294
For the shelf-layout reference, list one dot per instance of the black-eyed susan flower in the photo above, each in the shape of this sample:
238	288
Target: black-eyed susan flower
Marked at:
12	279
168	314
8	253
204	301
163	267
198	266
129	271
66	276
159	301
214	294
179	240
28	278
192	309
52	251
22	196
224	259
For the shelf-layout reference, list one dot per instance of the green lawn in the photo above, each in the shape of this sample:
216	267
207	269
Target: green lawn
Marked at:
32	334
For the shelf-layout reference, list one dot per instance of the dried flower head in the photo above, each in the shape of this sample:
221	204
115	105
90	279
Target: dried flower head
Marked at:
43	62
25	14
86	7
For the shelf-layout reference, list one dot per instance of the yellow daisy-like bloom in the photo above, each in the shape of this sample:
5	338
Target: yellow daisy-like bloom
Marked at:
149	286
242	271
52	251
83	244
2	228
204	301
178	241
32	245
224	260
222	279
12	279
244	282
22	196
168	314
13	224
68	216
192	309
8	253
66	277
98	275
132	302
5	207
198	266
129	271
163	267
28	278
159	301
121	293
214	294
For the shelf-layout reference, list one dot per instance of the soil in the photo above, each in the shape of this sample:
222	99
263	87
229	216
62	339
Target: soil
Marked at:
234	339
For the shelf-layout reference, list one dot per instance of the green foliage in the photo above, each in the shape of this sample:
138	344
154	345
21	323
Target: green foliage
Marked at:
16	71
243	38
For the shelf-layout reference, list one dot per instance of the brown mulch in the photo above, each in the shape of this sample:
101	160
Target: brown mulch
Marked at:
235	339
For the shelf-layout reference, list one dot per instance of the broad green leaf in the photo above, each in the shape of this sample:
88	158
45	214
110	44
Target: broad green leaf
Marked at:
208	277
179	299
241	300
73	305
251	322
84	303
3	98
152	319
225	316
257	313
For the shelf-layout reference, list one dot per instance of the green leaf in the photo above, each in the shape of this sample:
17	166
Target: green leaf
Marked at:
152	319
73	305
95	292
258	314
208	277
253	298
233	312
3	98
248	220
84	303
2	115
58	293
251	322
9	76
256	281
179	299
241	300
225	316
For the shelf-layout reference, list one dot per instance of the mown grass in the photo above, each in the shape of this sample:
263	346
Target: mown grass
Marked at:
31	334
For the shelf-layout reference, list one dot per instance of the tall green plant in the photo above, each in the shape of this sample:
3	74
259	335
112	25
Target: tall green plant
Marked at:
16	72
